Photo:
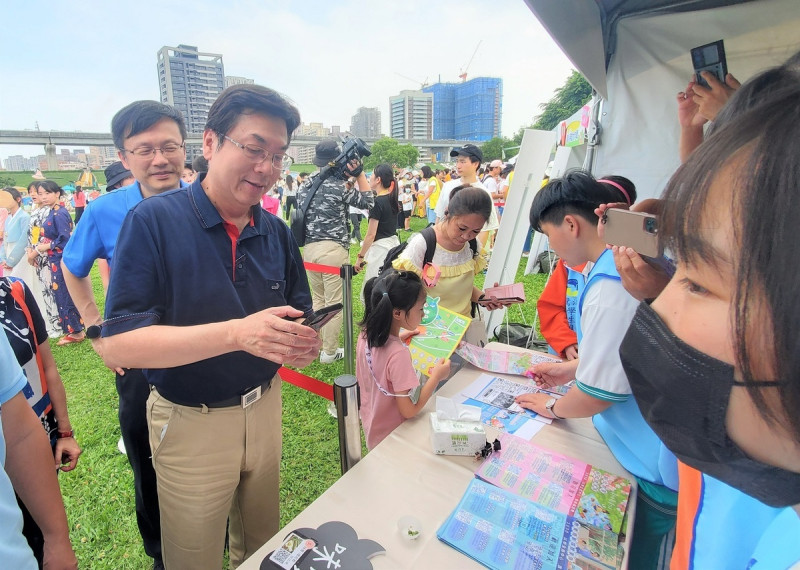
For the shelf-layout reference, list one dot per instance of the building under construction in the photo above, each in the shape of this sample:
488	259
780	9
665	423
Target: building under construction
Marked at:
469	111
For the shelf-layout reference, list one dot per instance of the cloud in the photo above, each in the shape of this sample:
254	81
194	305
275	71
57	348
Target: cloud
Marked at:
72	70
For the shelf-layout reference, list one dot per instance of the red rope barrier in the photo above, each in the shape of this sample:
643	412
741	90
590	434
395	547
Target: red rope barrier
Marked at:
306	383
321	268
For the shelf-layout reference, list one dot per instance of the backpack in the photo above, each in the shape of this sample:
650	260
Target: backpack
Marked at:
430	248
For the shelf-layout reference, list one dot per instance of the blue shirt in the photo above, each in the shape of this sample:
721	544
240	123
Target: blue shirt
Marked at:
182	268
16	237
96	236
632	441
14	550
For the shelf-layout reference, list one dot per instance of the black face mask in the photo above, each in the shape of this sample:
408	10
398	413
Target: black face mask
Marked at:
683	394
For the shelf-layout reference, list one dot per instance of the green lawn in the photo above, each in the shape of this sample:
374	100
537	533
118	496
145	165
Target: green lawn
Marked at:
98	495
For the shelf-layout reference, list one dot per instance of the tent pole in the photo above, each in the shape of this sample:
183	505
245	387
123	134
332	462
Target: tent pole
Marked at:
593	132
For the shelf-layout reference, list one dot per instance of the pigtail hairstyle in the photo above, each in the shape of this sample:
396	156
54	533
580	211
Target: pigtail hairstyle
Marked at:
386	176
382	295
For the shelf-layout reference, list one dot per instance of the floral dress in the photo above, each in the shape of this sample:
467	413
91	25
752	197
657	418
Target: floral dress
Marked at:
43	290
56	230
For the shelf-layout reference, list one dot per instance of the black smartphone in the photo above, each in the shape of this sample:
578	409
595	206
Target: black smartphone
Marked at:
320	318
711	58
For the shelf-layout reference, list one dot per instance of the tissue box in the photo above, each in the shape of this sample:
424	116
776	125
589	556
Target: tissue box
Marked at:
456	437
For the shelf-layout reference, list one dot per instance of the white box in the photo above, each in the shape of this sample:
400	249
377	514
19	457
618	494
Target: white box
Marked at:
456	437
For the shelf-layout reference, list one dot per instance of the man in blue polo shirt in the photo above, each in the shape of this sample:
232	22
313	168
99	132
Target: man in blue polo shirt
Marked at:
208	309
150	140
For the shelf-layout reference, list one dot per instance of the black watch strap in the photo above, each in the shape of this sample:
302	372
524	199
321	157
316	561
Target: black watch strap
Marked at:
93	331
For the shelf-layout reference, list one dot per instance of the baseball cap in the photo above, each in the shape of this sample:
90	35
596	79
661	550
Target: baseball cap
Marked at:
325	151
497	163
116	172
469	150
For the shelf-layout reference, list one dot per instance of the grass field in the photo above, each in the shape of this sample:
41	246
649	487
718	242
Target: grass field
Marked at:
98	495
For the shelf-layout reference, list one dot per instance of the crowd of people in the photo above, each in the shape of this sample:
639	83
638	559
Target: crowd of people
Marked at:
685	364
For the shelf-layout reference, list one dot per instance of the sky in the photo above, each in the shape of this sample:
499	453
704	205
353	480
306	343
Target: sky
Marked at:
71	67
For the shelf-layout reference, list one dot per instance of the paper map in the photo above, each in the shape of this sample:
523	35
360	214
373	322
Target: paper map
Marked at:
504	531
501	361
440	332
565	484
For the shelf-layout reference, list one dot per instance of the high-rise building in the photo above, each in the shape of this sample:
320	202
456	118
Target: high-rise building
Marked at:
190	81
366	122
470	111
236	80
411	115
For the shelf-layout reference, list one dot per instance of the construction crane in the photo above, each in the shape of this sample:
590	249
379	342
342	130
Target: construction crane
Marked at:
422	84
463	74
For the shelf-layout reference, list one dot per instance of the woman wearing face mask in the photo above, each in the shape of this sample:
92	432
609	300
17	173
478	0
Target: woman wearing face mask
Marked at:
714	361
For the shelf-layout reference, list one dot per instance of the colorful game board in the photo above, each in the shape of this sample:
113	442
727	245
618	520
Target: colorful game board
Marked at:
440	332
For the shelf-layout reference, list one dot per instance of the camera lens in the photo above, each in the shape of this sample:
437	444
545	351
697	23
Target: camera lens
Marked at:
651	225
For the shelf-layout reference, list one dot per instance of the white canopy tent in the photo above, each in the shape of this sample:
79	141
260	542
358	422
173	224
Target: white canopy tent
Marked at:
635	54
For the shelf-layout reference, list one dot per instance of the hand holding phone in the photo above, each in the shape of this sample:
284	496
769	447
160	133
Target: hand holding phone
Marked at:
320	318
636	230
711	58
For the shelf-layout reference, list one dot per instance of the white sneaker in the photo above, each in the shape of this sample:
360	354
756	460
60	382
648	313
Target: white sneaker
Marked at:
326	358
121	447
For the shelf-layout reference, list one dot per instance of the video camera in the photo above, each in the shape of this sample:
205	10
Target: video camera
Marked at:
353	148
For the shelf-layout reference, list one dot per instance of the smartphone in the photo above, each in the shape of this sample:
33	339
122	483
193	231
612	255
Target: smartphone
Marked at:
711	58
320	318
633	229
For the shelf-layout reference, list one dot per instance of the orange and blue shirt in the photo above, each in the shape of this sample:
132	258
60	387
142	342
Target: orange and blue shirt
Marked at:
721	527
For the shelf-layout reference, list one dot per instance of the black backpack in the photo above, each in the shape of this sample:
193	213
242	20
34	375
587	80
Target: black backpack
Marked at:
430	248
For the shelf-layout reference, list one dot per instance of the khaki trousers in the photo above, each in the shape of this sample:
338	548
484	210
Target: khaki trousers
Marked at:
212	464
326	289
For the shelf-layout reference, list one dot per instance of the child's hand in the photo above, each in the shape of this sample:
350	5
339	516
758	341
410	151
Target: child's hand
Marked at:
406	336
550	374
571	352
440	370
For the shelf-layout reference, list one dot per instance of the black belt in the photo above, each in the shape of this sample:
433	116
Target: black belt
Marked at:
229	402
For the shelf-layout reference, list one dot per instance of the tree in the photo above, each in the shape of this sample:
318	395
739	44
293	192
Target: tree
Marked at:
568	98
388	150
493	149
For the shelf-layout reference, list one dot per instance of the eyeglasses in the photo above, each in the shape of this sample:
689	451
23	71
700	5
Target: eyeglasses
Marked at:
169	150
258	154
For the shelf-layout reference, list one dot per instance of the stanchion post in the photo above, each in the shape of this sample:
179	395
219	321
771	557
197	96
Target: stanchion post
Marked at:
346	398
346	273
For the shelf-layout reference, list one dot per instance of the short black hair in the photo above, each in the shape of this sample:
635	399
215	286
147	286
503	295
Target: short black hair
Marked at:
51	187
239	100
140	116
577	193
199	163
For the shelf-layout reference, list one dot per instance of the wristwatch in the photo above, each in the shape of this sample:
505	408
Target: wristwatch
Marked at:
549	405
93	331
